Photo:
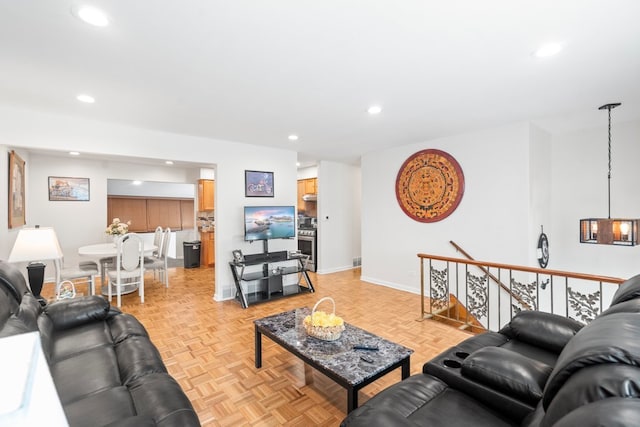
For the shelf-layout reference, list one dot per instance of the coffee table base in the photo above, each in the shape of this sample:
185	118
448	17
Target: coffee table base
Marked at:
352	389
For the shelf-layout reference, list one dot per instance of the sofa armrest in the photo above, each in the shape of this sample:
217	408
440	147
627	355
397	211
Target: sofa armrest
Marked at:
508	372
69	313
545	330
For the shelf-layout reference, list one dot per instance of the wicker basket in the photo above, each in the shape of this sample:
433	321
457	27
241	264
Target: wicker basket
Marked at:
326	333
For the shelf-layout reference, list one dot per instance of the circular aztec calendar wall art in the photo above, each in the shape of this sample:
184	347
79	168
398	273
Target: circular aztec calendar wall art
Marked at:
430	185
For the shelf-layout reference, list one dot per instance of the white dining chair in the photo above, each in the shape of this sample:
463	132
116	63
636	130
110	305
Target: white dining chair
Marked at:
129	266
159	263
150	261
84	272
158	237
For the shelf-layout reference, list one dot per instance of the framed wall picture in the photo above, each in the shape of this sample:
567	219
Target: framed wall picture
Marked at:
258	184
237	256
68	189
16	191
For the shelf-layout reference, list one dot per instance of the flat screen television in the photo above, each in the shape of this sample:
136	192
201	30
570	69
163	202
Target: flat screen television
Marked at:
269	222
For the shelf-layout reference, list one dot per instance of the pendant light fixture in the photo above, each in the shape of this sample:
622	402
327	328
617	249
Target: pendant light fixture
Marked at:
609	231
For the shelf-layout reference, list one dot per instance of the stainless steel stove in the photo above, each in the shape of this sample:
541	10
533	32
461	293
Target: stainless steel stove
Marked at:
308	245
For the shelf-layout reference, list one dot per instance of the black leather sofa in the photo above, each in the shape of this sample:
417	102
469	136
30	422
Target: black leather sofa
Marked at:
540	370
105	369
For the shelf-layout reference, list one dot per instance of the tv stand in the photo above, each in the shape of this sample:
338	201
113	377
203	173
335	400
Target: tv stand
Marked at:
270	275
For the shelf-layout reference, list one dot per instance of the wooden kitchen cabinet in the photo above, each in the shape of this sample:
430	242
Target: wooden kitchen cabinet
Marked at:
206	190
300	194
310	186
187	215
207	248
164	213
307	186
128	209
146	214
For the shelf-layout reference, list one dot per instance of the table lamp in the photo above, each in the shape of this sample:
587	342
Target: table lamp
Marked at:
35	245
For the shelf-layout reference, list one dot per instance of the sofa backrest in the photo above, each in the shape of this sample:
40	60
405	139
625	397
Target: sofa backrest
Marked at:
19	309
591	385
628	290
601	361
8	304
612	412
12	280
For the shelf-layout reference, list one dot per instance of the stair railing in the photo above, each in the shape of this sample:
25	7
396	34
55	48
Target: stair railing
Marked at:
491	293
492	277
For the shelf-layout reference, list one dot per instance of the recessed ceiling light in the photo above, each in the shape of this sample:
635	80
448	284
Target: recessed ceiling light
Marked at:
293	137
548	49
298	164
92	16
87	99
168	162
74	153
374	109
136	182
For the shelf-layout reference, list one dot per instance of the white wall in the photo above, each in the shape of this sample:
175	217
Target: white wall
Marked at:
338	216
5	238
491	222
540	187
24	129
308	172
580	191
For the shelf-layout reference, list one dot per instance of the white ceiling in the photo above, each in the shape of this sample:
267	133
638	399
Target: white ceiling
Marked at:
257	71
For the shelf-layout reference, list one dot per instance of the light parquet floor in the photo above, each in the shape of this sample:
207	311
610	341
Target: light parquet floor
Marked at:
208	346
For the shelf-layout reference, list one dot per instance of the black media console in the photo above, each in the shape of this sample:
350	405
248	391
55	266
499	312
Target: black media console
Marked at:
269	275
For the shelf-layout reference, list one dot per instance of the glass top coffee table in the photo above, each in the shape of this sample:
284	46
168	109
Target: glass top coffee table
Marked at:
349	367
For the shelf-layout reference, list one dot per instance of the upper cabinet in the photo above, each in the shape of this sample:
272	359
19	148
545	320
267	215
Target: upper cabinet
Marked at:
164	213
307	186
300	194
310	186
146	214
187	215
128	210
206	189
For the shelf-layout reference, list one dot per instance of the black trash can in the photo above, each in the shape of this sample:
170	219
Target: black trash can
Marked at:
191	254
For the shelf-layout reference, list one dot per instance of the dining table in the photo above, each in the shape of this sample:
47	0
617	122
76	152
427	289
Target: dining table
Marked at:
104	254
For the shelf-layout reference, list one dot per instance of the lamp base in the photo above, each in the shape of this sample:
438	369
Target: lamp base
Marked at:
35	271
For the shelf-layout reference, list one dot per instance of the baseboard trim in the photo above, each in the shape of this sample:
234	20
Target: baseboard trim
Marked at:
391	285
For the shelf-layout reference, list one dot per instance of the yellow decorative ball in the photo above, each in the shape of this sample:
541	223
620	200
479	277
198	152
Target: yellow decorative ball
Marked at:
322	319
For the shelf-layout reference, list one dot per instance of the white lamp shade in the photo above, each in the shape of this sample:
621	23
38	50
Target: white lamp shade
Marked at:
36	244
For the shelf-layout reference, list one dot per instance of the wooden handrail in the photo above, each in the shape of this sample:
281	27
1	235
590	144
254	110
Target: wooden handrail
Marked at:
546	272
492	277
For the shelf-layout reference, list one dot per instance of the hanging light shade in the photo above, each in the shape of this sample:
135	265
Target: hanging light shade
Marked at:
609	231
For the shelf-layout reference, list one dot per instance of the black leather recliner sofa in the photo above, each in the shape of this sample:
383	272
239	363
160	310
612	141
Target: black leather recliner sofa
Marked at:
540	370
106	370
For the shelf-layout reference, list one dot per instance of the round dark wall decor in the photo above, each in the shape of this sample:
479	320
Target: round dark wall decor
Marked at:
429	185
543	250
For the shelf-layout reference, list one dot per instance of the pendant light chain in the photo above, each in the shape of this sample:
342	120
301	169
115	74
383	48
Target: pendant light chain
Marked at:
609	173
608	107
609	142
